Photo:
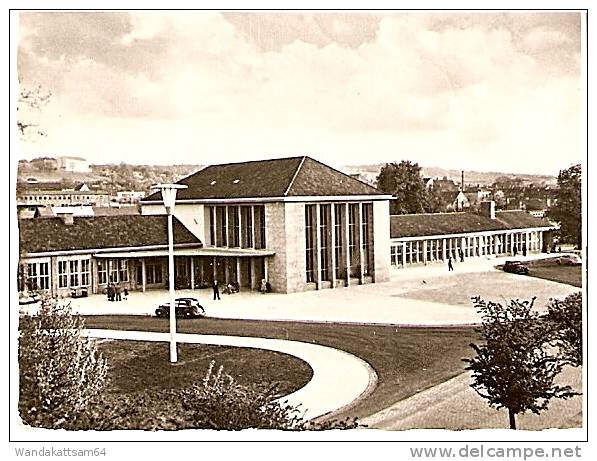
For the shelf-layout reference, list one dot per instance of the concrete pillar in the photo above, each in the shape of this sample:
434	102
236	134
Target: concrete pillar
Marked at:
215	269
333	243
403	262
347	242
143	276
227	233
252	278
444	258
511	242
240	226
93	283
192	273
238	280
265	268
425	252
496	244
317	247
540	240
361	256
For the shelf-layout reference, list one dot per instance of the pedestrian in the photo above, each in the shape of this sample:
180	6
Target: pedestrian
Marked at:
216	289
515	250
118	292
126	293
263	287
524	249
461	254
450	266
110	292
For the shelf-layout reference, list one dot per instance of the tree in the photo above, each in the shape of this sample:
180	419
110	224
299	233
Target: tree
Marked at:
29	104
403	180
515	368
60	370
568	209
436	201
565	317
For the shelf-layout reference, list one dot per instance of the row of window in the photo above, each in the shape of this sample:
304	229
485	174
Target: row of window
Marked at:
238	226
470	246
333	216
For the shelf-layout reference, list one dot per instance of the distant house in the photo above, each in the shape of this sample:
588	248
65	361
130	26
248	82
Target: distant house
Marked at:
73	164
56	194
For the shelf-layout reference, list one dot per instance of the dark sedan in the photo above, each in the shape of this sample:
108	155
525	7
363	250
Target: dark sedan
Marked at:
188	308
516	267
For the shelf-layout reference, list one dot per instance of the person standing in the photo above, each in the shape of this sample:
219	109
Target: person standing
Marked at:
216	289
118	291
524	249
450	265
461	255
110	292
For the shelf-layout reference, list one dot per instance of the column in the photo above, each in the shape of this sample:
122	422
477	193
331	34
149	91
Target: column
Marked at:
403	262
333	243
496	240
94	285
444	258
215	216
252	278
192	273
347	242
540	240
425	252
463	245
265	268
238	271
143	276
240	226
317	247
215	269
511	242
361	258
227	229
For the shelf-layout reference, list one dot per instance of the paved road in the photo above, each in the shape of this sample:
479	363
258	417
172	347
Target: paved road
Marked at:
329	389
455	405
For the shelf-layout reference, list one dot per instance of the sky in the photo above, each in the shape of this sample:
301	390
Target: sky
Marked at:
478	91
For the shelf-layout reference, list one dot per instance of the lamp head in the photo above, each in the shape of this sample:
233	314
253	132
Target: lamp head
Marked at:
169	194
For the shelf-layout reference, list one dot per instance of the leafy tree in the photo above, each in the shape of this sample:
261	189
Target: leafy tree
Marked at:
403	180
436	201
515	368
565	317
568	210
60	370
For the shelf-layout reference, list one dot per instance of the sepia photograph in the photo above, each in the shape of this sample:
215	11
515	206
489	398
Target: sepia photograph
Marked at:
266	224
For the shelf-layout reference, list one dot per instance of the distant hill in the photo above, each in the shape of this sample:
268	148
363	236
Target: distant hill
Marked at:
111	177
370	172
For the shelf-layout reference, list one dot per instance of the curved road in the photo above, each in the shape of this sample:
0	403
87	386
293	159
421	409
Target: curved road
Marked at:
339	378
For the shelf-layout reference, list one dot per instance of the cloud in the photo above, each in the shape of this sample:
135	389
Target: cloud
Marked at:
416	84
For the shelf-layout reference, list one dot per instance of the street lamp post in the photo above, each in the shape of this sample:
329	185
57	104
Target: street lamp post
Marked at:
169	197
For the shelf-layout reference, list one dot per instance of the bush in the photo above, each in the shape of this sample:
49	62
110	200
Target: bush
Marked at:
60	370
216	403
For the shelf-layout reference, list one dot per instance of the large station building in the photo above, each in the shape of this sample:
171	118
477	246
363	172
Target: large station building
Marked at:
295	222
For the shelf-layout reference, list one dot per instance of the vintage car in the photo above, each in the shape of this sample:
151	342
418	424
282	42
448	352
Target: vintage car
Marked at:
188	308
516	267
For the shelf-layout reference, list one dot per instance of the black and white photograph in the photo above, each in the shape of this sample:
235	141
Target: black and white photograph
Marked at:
299	225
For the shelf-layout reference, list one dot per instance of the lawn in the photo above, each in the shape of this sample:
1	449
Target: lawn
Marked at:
407	360
571	275
137	365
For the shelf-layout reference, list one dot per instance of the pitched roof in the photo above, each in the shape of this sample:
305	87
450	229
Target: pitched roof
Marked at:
40	235
292	176
415	225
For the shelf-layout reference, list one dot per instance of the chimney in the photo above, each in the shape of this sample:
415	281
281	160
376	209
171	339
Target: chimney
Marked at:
488	209
67	218
462	181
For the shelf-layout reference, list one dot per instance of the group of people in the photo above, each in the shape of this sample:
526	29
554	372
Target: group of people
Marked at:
231	288
115	292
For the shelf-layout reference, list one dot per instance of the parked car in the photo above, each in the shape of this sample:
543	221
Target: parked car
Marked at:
188	308
569	260
516	267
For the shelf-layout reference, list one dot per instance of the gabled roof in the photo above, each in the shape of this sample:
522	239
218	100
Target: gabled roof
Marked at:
416	225
284	177
40	235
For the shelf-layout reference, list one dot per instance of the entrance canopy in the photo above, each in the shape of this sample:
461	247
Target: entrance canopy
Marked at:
233	252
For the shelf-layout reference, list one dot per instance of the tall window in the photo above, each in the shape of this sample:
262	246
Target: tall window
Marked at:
212	225
366	224
310	242
259	226
74	273
153	271
62	274
233	226
102	271
324	240
247	222
123	270
85	272
221	224
394	255
353	238
338	238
